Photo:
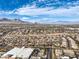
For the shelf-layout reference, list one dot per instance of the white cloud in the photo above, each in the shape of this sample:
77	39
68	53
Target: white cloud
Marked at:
71	14
6	12
53	14
32	11
24	18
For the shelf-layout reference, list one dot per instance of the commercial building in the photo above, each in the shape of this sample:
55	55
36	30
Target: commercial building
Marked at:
23	53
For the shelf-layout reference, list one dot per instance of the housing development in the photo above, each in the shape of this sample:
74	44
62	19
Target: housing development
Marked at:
20	40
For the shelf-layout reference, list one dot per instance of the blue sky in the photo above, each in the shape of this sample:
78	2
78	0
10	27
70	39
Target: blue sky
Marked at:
43	11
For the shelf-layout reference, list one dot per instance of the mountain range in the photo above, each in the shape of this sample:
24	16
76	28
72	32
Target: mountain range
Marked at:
5	20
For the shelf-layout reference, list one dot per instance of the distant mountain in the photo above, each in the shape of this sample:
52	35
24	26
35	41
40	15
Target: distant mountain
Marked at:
66	22
63	21
18	21
6	20
60	22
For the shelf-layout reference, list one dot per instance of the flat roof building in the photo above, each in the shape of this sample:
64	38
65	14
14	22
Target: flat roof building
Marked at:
16	52
64	57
